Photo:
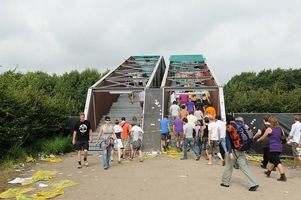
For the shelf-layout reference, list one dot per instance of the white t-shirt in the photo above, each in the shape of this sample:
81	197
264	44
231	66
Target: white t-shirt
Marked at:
137	132
192	120
174	109
214	130
296	131
222	127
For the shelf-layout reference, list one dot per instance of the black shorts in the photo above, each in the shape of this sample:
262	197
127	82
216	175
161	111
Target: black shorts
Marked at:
80	145
275	159
165	136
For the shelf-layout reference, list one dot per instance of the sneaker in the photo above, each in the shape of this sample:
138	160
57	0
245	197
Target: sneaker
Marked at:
198	158
119	162
292	167
112	159
224	185
183	158
267	173
224	162
105	168
253	188
141	160
86	163
79	166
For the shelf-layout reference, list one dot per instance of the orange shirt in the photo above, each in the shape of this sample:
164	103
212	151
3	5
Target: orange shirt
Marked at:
125	129
210	110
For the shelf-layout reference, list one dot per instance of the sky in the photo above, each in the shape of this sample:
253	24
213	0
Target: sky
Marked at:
58	36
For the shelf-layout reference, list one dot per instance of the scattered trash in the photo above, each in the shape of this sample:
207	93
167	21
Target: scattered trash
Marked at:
43	185
41	175
19	180
29	159
13	192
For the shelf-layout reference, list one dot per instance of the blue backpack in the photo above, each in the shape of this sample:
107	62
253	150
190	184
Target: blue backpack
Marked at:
241	137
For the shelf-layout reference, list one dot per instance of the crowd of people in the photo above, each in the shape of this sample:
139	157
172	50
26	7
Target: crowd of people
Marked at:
195	127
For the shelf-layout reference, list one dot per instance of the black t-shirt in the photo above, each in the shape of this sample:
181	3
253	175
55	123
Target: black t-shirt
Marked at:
206	131
266	141
82	130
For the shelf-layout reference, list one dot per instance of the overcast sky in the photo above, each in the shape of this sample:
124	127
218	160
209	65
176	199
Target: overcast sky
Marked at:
57	36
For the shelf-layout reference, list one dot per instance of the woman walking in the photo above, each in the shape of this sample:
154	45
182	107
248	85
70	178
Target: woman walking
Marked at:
274	132
106	132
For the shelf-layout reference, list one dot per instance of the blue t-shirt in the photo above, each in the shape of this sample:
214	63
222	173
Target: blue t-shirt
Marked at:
164	126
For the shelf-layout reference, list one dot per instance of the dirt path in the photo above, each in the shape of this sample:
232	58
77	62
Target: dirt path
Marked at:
164	177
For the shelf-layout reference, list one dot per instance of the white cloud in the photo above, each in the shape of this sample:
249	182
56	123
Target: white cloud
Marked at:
58	36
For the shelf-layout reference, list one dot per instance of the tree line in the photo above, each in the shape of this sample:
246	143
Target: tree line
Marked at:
36	105
269	91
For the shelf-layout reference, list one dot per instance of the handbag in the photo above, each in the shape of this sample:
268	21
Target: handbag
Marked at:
283	138
109	141
137	143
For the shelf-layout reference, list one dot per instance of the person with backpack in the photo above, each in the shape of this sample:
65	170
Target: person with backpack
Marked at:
274	132
236	151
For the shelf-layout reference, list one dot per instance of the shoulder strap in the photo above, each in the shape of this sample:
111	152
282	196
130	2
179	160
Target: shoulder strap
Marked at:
123	125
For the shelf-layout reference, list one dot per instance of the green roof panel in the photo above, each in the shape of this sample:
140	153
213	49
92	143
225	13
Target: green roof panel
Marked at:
187	58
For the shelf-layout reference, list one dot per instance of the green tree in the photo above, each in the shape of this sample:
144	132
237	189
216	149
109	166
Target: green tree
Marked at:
274	91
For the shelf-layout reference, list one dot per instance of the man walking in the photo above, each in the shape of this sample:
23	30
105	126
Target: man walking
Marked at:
82	134
296	139
188	140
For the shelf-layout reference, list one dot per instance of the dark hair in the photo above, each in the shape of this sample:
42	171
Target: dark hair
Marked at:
116	121
174	102
185	120
183	106
206	119
229	118
107	117
266	118
123	118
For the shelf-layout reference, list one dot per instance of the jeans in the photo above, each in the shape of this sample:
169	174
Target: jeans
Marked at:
106	153
198	144
189	141
223	143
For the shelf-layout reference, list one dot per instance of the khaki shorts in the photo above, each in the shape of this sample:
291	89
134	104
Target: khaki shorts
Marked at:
294	149
125	142
214	147
179	136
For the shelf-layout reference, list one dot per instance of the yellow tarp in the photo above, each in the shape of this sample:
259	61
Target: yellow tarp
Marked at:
41	175
52	160
173	153
13	192
64	184
32	197
50	193
29	159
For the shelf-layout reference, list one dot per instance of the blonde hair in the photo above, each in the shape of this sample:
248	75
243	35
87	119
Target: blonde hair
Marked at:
273	121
